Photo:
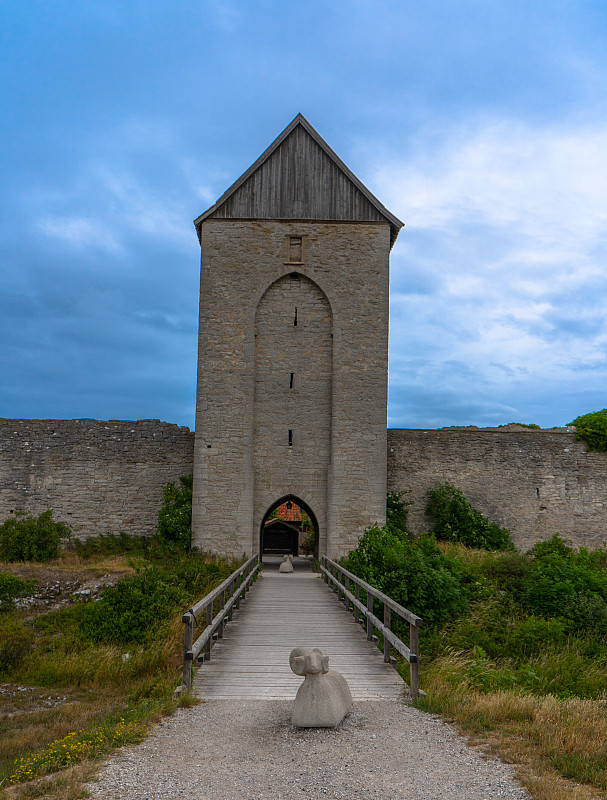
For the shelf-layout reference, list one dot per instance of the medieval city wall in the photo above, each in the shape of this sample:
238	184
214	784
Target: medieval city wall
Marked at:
100	477
533	482
104	477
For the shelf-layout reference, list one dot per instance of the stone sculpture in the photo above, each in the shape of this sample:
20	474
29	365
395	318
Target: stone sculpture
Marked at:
286	565
324	698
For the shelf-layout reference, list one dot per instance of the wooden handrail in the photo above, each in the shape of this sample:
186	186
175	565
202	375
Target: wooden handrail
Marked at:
229	594
340	580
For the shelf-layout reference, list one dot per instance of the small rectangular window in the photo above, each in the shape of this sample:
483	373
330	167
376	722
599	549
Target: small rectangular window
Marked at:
295	317
290	438
291	380
295	248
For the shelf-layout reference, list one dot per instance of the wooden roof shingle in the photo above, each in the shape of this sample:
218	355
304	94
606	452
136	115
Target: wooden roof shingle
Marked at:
300	177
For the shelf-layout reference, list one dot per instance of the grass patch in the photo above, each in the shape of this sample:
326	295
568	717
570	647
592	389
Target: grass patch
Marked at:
552	741
513	646
69	698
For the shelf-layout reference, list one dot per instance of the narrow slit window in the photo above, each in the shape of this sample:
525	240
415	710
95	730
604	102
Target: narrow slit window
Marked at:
295	252
295	317
290	438
291	380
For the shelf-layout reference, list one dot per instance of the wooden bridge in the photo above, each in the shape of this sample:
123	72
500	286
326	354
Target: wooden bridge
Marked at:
250	655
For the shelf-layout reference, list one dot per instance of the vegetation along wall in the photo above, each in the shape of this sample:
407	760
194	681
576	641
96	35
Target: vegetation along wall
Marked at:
100	477
103	477
533	482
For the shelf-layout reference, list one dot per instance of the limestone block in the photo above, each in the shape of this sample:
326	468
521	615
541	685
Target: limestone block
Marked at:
324	698
286	565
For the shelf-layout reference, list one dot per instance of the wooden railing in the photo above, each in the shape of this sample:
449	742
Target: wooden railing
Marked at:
225	597
342	581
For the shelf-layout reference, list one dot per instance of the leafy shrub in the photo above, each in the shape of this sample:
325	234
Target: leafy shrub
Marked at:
25	538
531	425
592	428
309	543
15	642
132	610
175	515
109	544
129	611
561	580
397	510
455	520
11	588
413	572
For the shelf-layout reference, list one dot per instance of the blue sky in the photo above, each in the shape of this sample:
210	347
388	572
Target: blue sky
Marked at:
481	124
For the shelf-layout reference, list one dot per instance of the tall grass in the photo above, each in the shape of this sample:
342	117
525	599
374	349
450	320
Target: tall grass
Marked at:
513	647
553	740
109	691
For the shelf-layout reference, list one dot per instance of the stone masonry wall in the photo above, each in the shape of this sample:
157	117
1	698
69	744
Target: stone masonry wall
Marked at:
533	482
100	477
293	377
240	261
104	477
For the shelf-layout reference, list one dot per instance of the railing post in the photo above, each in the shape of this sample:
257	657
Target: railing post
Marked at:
357	596
222	604
387	623
230	595
414	648
370	609
188	638
238	585
209	619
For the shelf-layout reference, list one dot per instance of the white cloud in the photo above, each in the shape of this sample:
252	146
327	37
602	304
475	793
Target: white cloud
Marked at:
510	224
79	232
548	184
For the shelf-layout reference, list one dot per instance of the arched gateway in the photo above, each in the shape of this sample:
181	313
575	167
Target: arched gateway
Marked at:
293	349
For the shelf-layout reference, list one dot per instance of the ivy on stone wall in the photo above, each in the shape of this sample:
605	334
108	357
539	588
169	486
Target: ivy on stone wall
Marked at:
455	520
175	515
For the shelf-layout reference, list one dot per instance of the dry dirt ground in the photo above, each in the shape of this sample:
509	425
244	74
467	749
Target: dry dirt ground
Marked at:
58	583
234	750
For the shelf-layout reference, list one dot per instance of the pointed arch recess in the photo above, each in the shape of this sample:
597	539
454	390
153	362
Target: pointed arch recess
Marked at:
293	395
304	507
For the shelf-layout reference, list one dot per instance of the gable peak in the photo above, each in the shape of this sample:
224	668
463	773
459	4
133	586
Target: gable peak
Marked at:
300	177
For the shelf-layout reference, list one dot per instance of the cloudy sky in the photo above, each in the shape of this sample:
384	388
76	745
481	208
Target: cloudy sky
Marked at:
480	123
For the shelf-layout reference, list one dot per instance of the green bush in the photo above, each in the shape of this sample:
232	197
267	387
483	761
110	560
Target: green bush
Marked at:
110	544
131	610
25	538
396	512
455	520
413	572
309	543
11	588
560	581
592	428
175	515
15	640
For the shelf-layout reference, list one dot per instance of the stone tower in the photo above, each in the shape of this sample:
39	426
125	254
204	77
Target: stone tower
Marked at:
293	350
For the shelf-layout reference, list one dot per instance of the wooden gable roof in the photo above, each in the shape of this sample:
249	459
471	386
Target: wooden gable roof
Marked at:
300	177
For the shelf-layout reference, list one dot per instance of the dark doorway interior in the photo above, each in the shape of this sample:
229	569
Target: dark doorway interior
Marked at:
289	526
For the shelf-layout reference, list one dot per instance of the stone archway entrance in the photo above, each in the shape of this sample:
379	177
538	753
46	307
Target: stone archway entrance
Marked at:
289	526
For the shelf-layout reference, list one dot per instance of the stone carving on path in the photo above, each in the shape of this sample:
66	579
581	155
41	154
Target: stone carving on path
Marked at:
286	565
324	698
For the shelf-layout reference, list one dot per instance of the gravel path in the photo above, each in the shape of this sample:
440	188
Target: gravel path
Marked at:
236	750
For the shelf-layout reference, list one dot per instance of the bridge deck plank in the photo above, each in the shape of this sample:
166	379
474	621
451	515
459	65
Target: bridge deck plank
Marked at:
283	611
